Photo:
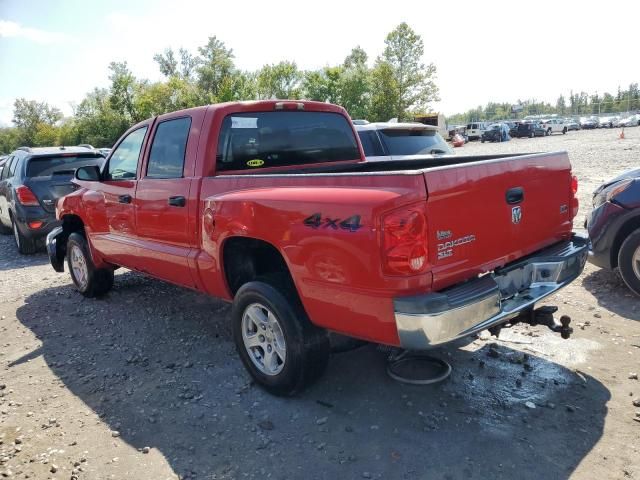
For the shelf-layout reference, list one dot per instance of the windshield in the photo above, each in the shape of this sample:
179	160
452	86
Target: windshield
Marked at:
62	165
413	142
283	138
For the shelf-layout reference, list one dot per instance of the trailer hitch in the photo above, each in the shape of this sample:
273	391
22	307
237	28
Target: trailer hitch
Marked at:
544	316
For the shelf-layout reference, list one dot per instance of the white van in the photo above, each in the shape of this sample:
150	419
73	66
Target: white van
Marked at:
476	129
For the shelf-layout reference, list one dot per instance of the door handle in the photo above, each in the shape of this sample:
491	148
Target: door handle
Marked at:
124	199
515	195
178	201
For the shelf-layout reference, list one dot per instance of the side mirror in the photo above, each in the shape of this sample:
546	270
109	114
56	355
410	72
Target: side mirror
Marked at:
89	173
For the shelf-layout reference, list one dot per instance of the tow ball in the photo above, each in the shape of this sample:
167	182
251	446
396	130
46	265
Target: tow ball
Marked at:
544	316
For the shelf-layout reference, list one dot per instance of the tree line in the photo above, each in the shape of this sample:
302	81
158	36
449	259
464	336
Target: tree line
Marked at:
575	104
398	85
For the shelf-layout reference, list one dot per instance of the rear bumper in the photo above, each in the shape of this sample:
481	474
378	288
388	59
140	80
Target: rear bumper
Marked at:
425	321
23	220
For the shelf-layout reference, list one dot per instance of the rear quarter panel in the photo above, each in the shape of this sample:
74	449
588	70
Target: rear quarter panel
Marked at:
337	271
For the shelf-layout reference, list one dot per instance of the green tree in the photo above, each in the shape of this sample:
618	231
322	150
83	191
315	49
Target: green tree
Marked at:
415	82
561	105
281	80
167	62
124	87
28	115
215	66
355	84
385	93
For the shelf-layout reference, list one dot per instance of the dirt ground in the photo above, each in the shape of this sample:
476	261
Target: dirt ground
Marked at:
145	383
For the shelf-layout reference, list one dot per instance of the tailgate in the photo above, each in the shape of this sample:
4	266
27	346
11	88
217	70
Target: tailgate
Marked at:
483	215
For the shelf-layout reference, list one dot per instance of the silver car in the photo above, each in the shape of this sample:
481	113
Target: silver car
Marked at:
400	141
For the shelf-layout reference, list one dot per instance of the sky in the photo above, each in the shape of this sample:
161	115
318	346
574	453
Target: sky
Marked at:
57	51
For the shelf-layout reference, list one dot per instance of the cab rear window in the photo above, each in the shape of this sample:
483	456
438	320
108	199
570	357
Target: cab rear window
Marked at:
60	165
251	141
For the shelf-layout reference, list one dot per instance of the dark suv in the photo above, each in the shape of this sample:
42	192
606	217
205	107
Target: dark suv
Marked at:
614	227
31	181
530	130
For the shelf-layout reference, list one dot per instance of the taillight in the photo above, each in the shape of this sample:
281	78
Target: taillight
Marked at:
405	241
26	197
574	184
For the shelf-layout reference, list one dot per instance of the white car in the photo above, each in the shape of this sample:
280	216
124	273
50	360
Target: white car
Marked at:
476	129
631	121
555	125
400	141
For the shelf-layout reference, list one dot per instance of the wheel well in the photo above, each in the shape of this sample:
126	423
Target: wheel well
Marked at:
70	224
246	259
623	233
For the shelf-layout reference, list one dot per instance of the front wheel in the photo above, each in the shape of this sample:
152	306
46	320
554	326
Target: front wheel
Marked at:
564	130
89	280
26	246
282	350
629	261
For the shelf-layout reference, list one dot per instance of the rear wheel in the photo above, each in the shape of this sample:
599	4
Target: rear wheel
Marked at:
564	130
282	350
629	261
26	246
532	134
89	280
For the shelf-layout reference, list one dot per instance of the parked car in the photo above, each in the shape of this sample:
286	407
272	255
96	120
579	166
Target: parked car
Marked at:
289	222
608	122
400	141
496	132
31	182
630	121
555	125
588	123
614	227
572	125
475	129
530	130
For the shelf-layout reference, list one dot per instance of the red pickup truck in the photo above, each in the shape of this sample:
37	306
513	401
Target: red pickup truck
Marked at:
271	205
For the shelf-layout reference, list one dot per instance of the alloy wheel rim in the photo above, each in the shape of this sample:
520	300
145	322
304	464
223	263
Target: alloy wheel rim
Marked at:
79	267
263	339
635	263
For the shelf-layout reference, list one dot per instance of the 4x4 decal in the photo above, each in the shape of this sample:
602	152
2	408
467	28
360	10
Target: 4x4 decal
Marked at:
351	224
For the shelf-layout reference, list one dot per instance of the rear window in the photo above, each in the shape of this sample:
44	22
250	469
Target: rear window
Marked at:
412	142
61	165
275	139
370	143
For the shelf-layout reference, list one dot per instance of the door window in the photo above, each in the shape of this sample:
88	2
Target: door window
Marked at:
5	170
12	167
123	163
166	159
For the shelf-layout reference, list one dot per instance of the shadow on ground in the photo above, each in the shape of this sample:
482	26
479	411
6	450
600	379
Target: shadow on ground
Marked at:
157	364
611	293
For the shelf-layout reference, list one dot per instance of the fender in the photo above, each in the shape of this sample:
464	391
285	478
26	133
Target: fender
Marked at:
73	204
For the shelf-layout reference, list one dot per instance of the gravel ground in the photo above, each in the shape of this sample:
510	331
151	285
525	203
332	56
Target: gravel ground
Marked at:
145	383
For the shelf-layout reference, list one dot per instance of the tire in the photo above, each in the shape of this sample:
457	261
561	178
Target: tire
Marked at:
548	132
564	130
306	347
482	141
629	261
26	246
532	134
89	280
